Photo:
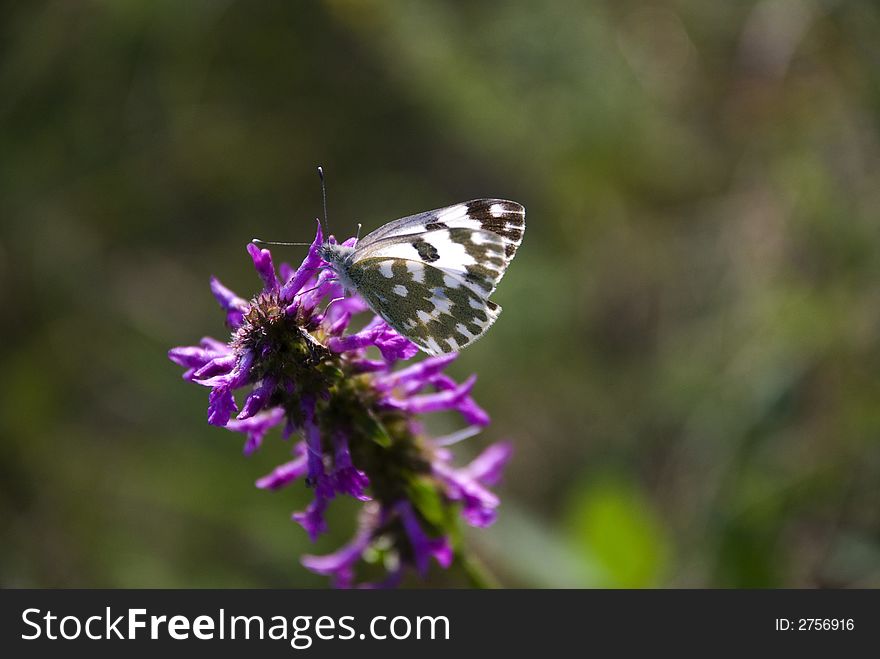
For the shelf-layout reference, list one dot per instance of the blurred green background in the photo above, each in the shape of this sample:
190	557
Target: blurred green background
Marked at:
689	358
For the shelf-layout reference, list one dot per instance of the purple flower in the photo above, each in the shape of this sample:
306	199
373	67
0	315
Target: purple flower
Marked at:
234	305
376	333
340	564
263	263
256	427
259	397
468	484
288	472
359	418
347	478
312	518
423	548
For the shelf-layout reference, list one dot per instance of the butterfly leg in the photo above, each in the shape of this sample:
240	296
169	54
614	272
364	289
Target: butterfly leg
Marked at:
309	290
335	299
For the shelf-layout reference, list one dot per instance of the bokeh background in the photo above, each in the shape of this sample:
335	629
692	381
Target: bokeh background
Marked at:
689	358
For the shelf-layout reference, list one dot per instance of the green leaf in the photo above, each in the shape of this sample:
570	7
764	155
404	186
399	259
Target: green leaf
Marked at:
426	498
374	429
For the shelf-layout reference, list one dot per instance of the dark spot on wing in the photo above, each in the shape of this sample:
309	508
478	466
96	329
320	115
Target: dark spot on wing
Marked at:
507	225
433	226
477	276
427	252
499	226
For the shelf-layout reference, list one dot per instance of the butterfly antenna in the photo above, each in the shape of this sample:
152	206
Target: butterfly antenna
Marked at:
257	241
324	198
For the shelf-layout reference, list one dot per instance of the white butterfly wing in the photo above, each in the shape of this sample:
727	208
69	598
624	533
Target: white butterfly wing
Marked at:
430	275
473	256
499	216
438	312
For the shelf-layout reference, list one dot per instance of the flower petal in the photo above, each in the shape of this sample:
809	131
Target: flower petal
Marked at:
286	473
347	478
234	306
256	427
487	466
259	397
423	547
340	562
312	518
306	270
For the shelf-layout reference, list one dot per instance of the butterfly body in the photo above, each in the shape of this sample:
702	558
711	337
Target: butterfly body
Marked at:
429	276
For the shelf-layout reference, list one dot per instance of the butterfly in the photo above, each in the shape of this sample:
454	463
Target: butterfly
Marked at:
429	276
